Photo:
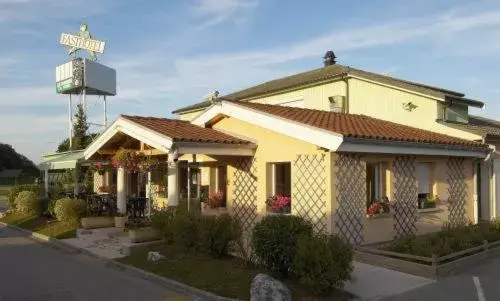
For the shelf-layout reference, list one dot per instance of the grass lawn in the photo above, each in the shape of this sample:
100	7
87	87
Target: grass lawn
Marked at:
42	225
225	277
4	191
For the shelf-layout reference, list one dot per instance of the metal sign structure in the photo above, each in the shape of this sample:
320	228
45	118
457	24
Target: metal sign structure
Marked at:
82	76
82	41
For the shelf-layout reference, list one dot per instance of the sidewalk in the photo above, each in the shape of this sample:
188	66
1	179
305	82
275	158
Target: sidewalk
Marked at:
374	283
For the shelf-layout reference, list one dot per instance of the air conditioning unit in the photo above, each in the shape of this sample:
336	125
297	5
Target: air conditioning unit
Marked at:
337	103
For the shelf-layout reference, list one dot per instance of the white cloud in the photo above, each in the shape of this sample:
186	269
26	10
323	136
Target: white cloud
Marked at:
214	12
192	77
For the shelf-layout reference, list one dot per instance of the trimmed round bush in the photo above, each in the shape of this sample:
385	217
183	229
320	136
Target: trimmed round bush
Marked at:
217	232
322	262
69	210
186	229
163	221
14	191
275	240
27	202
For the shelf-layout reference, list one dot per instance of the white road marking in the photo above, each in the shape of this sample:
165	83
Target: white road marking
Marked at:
479	289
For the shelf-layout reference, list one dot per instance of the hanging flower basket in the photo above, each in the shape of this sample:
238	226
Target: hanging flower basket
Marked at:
132	161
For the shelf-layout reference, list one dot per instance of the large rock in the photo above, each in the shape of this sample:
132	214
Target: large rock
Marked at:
266	288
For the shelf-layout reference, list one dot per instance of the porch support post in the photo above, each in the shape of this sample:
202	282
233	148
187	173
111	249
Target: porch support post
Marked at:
188	186
76	175
173	194
46	181
198	183
121	192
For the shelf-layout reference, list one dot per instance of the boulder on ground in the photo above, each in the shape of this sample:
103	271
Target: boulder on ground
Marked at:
155	256
266	288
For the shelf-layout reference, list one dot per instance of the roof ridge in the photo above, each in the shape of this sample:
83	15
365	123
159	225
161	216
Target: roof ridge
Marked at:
151	117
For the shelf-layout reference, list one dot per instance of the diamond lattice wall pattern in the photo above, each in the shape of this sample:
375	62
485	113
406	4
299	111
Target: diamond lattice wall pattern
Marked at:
405	196
458	191
309	189
245	192
351	197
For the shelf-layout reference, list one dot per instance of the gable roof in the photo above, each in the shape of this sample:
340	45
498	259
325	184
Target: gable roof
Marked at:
330	73
353	126
482	126
183	131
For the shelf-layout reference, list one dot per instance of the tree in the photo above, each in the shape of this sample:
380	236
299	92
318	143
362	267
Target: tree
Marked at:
80	128
80	137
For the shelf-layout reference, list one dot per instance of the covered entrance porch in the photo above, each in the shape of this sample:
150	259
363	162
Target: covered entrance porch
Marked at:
158	162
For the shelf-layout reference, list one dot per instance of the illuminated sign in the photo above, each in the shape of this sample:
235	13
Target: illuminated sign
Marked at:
82	41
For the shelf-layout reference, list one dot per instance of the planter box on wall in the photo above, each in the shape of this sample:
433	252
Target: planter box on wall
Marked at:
143	234
97	222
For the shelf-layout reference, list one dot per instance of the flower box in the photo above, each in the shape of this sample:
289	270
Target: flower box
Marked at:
95	222
143	234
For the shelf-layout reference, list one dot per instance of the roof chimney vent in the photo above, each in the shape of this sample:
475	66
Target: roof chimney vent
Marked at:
329	58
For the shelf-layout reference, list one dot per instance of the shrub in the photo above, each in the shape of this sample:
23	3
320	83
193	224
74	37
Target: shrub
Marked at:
217	232
69	210
448	240
14	191
27	202
49	211
186	229
275	239
163	222
322	262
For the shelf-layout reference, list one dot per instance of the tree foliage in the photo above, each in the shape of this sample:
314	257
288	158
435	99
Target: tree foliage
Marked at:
81	139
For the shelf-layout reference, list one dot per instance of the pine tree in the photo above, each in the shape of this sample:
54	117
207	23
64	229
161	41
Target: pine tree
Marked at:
80	128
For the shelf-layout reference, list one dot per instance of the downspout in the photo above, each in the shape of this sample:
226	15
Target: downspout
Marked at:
345	78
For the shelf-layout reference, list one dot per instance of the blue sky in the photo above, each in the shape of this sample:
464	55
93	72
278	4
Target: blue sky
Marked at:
171	54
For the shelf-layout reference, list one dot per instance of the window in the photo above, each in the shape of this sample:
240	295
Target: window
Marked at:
456	113
279	200
424	183
375	180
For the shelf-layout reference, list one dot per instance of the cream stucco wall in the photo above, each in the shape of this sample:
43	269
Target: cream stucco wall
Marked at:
387	103
272	147
188	116
315	97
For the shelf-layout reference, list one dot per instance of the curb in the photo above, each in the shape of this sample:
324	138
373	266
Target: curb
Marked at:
159	280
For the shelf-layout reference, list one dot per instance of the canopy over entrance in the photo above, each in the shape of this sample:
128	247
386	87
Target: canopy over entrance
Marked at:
163	136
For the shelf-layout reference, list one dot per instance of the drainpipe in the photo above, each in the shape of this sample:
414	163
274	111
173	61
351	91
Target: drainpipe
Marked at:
345	78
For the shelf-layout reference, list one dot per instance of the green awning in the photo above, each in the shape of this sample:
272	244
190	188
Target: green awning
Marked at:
62	160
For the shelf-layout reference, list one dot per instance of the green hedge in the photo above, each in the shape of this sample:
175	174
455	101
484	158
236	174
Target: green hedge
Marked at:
69	210
217	232
448	240
28	202
14	191
322	262
275	240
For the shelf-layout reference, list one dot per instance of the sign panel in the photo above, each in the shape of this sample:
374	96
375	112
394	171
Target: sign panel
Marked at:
82	41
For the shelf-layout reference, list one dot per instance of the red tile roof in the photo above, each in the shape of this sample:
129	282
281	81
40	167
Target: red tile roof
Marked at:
360	126
184	131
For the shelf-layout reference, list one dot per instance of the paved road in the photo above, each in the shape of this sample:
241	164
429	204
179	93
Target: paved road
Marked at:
460	287
34	271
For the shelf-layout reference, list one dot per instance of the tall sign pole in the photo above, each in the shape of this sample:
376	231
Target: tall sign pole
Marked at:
70	122
84	76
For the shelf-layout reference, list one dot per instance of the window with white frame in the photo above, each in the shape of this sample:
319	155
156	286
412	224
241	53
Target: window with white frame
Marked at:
280	200
424	186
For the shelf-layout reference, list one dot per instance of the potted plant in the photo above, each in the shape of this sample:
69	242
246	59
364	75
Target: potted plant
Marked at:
215	200
279	204
120	220
100	170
